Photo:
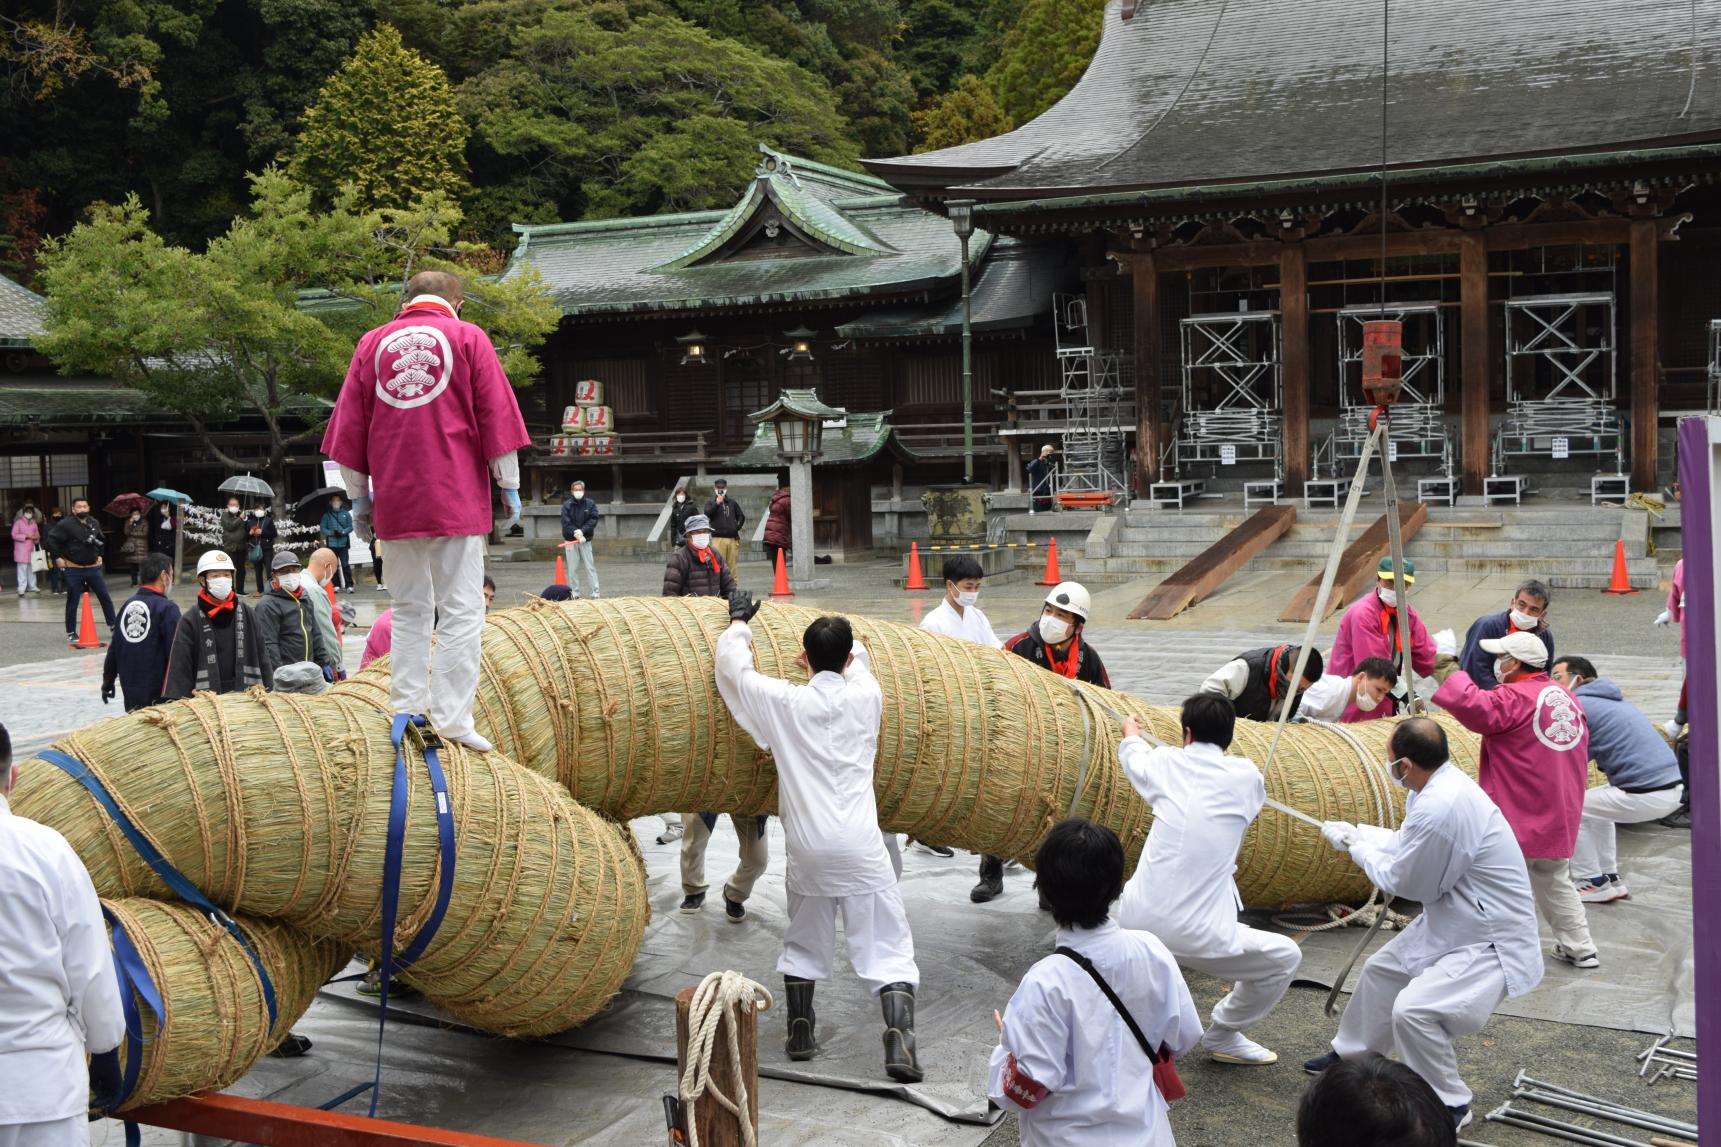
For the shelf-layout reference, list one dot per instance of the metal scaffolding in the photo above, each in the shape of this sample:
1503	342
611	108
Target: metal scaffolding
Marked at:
1095	392
1561	379
1418	424
1233	390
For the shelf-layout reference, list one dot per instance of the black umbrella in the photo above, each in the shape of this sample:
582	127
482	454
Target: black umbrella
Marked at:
246	484
309	509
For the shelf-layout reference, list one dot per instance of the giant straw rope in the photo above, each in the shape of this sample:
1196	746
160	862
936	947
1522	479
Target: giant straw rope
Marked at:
276	807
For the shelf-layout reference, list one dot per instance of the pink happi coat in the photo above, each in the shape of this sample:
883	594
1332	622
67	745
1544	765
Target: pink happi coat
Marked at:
1676	601
1535	755
424	408
1360	637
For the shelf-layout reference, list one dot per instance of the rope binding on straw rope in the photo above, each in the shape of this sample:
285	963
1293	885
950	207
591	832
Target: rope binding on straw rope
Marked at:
719	997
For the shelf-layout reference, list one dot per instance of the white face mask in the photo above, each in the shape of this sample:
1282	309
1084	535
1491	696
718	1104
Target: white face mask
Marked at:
1401	779
234	508
220	588
579	492
967	600
1389	598
699	541
1499	668
325	580
289	582
1365	701
1524	620
1054	630
680	498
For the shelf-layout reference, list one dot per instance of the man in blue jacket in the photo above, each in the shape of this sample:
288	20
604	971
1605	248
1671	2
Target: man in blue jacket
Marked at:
337	529
1643	780
1528	613
580	516
143	638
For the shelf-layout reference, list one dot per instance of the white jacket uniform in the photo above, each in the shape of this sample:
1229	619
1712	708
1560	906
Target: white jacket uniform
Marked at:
1183	889
1080	1078
1326	699
823	737
1474	944
969	625
58	996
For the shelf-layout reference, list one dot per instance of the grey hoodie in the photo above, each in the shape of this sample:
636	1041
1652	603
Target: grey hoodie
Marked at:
1623	743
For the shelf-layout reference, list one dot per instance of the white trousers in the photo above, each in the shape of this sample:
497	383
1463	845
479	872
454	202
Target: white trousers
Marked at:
1597	851
26	577
438	585
752	845
1557	900
880	945
580	558
1421	1015
72	1132
1259	976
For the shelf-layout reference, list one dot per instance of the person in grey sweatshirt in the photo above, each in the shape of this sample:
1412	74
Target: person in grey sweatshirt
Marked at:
1642	775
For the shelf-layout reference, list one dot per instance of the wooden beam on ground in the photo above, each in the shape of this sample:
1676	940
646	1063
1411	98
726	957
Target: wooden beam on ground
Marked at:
1209	569
1357	566
221	1116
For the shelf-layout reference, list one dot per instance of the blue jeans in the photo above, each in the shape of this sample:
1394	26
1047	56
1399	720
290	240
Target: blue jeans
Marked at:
77	581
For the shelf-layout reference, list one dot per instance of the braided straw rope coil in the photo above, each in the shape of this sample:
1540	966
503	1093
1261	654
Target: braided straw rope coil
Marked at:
276	805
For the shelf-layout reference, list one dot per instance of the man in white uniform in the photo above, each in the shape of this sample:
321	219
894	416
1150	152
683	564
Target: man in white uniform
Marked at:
1364	691
1067	1062
58	996
823	737
958	615
1474	944
1183	891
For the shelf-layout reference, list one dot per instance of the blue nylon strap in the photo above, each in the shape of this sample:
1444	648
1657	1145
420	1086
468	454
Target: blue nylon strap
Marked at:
133	976
170	876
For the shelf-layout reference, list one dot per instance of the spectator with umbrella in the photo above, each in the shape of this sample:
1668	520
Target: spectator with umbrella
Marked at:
134	543
258	529
165	536
327	509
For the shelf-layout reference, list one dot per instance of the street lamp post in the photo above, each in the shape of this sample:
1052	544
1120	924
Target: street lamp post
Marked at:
962	219
798	418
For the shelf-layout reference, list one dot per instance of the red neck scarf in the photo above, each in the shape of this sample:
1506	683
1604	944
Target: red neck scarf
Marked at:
1273	673
708	557
429	303
1072	659
211	607
1389	624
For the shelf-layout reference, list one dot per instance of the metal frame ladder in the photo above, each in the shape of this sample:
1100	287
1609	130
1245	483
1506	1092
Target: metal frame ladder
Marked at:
1092	385
1233	389
1561	379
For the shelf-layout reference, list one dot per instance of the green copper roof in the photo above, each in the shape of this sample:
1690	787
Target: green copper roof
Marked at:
49	401
1012	291
802	232
20	314
859	438
802	402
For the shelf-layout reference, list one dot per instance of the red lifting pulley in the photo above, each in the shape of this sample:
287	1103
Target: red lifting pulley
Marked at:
1382	360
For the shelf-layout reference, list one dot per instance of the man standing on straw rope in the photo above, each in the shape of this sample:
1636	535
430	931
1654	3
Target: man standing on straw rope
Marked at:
1182	890
426	420
823	737
1474	944
59	999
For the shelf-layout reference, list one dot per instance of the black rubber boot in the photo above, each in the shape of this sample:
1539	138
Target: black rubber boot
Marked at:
991	884
900	1063
799	1045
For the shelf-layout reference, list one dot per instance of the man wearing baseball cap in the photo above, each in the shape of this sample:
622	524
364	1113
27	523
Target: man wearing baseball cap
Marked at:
218	647
1369	628
1535	766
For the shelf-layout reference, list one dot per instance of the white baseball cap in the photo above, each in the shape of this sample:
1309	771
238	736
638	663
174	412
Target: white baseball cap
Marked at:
1523	647
214	560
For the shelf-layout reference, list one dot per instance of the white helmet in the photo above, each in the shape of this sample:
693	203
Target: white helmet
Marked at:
214	560
1071	596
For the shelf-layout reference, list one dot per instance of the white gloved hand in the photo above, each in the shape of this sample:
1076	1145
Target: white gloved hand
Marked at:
511	499
579	535
1338	833
361	508
1665	617
1446	641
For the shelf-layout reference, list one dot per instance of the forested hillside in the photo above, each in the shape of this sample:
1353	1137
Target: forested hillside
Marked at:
520	110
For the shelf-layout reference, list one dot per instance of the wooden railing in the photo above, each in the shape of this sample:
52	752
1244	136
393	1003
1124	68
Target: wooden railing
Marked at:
944	439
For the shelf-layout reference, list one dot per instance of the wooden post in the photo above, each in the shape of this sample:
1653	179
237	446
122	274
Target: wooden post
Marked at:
1294	331
1144	276
1473	331
718	1128
1645	355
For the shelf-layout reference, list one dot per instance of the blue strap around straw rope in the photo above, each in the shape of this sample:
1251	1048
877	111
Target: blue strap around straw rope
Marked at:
133	976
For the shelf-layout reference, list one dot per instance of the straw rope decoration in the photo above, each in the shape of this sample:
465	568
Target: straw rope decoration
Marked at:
277	806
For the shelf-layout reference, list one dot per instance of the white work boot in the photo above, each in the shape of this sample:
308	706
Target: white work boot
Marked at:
471	740
1226	1046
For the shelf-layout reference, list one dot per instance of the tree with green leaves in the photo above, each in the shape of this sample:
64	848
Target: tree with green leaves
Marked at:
966	113
264	320
1044	53
388	124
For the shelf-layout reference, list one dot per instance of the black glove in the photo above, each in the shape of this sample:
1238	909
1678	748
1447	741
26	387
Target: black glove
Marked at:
105	1081
742	607
107	692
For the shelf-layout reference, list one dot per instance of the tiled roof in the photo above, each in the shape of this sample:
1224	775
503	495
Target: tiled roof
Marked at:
860	438
1191	93
49	401
1012	290
803	402
20	314
872	244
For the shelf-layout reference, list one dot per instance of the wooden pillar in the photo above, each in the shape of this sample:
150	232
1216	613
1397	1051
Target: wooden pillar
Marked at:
1645	354
1294	336
1144	276
1473	332
718	1128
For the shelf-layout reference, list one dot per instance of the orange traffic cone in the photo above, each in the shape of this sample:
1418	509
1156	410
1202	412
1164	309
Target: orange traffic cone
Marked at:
1051	576
87	628
915	580
1620	583
780	588
561	569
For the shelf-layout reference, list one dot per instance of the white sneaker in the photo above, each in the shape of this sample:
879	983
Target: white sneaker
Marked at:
1235	1047
1603	891
1577	959
671	833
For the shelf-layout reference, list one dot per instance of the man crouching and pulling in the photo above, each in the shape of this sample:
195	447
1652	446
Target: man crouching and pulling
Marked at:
822	737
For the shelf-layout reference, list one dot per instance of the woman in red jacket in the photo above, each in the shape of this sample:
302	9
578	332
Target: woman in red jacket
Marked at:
777	527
